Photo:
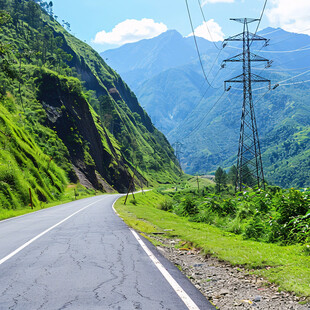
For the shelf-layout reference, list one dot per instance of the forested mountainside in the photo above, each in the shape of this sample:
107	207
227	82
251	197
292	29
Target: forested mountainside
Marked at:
66	115
206	120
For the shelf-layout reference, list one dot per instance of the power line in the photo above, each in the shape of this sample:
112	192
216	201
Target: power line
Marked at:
205	92
280	83
288	34
196	44
294	76
204	18
301	49
264	34
197	125
281	70
295	83
260	19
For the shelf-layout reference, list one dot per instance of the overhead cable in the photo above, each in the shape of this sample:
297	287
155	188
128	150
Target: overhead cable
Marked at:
294	76
301	49
198	103
205	22
259	21
197	48
197	125
294	83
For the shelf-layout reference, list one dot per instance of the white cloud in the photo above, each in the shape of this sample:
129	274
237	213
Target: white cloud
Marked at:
131	30
293	16
209	30
204	2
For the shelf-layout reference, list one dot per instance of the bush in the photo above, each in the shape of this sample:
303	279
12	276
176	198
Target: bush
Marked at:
189	206
166	205
255	228
274	215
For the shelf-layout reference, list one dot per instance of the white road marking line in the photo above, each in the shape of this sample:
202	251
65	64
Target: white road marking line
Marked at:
45	232
38	211
115	209
178	289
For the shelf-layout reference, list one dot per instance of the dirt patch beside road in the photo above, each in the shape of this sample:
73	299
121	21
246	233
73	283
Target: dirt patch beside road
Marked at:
228	287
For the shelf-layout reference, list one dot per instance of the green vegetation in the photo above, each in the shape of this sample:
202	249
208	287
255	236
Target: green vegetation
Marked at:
72	192
288	266
66	116
274	215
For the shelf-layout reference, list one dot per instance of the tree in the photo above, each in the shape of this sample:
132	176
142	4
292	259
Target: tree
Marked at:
3	4
232	175
220	179
50	11
33	13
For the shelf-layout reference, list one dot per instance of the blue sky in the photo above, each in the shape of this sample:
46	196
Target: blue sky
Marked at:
132	20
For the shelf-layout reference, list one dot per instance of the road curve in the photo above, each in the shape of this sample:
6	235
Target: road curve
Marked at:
81	255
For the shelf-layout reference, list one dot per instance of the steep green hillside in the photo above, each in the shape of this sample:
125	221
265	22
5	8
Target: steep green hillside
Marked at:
67	116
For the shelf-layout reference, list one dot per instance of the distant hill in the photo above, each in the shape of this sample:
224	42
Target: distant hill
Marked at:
209	132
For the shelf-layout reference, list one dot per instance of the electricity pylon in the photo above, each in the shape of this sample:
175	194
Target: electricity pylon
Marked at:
178	151
249	162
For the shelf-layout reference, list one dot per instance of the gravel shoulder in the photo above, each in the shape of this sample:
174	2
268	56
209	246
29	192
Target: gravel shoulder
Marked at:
228	287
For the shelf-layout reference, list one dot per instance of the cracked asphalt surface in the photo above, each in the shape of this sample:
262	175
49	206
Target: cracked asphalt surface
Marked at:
91	261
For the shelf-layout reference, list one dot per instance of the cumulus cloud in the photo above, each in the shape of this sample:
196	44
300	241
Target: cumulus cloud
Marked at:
131	30
290	15
209	30
204	2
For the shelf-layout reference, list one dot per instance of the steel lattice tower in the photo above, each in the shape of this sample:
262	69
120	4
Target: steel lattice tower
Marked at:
178	151
249	163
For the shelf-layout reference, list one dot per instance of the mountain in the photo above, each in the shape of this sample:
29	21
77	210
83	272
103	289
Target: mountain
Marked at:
137	62
156	69
66	116
207	121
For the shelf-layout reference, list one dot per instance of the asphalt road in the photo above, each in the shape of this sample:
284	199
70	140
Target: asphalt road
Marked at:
81	255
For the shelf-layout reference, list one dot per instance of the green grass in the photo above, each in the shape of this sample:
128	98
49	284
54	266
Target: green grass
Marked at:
287	266
67	196
186	183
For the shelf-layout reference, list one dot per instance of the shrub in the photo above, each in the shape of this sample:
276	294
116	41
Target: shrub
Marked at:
255	228
166	205
189	206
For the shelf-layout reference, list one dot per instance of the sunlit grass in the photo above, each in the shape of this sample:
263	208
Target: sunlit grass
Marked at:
287	266
72	192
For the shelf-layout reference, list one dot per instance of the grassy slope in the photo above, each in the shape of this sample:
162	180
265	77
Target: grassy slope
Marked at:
290	265
24	166
32	153
71	192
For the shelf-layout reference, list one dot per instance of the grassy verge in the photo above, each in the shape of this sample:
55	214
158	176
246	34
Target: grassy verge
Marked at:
71	193
287	266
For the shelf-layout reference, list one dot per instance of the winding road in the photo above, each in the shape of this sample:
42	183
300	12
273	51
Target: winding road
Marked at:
81	255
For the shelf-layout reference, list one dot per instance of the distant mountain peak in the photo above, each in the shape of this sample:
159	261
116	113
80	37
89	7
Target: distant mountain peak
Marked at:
171	33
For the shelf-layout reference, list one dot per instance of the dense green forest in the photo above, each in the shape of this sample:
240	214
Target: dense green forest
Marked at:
66	116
